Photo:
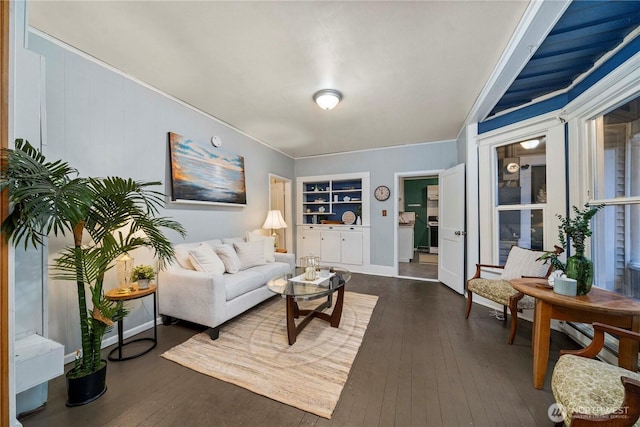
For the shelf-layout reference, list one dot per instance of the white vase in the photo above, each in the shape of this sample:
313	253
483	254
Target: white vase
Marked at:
358	221
143	283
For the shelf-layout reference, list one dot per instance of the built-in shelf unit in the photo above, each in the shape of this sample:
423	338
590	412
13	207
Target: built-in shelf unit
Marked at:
333	218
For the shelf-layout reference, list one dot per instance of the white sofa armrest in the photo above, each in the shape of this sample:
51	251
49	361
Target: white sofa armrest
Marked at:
192	295
288	258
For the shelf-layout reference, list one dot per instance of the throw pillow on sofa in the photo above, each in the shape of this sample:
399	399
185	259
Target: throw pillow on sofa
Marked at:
183	257
250	254
267	241
230	258
204	259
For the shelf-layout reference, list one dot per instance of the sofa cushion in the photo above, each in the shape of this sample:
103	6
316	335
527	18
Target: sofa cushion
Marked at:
181	253
243	282
203	258
231	240
272	270
230	258
250	254
268	243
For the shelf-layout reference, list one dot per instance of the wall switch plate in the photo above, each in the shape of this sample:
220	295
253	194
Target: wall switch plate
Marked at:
384	212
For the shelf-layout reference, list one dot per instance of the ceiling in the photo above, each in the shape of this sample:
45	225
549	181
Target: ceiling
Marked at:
585	33
409	72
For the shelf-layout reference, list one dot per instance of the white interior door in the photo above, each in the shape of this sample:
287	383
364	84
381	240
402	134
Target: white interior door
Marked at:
451	239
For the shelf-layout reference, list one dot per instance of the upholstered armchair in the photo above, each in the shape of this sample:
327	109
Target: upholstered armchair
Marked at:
520	263
594	393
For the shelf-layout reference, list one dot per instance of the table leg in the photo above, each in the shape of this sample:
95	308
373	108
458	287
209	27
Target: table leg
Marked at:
120	339
533	331
337	309
542	334
155	320
292	312
628	349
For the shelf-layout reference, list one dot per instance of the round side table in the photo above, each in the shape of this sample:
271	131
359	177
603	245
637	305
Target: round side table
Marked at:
134	293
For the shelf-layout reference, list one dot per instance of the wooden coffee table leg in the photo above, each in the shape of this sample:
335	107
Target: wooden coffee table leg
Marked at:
336	315
292	313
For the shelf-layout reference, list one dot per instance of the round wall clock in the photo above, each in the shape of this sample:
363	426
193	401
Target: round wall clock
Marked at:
382	193
216	141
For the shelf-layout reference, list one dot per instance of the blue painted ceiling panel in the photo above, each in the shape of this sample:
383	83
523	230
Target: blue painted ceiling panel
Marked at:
586	32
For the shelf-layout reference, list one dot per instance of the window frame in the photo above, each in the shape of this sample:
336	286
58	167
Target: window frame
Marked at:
547	125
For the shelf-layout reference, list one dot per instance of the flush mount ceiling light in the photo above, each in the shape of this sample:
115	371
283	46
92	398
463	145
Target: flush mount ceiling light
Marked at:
530	144
327	98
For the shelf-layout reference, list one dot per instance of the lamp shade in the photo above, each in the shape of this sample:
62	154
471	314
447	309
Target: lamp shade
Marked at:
274	220
327	98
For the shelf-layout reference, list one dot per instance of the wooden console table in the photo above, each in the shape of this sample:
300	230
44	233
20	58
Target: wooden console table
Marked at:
598	305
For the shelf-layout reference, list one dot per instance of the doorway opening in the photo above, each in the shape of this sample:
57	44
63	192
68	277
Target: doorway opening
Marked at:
280	199
417	226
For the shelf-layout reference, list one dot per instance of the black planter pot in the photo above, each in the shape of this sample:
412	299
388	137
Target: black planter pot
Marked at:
83	390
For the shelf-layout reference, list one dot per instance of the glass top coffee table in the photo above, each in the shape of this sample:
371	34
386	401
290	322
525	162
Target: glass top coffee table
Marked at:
295	288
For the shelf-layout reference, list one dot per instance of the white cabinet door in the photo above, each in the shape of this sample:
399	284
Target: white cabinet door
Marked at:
351	247
309	243
330	246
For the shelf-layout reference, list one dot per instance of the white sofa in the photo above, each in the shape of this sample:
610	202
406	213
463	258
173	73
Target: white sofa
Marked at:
212	298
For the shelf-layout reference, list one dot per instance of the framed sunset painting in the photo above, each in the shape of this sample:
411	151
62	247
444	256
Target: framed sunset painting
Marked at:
202	173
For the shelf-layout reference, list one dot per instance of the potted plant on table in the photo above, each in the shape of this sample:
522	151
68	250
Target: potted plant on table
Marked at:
49	198
575	230
142	274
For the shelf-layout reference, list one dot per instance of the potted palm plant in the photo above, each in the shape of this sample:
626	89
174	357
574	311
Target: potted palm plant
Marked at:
119	215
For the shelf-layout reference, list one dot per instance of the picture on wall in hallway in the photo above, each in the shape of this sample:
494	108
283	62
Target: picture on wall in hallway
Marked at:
204	173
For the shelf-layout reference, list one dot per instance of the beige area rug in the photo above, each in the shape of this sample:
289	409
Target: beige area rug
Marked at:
253	352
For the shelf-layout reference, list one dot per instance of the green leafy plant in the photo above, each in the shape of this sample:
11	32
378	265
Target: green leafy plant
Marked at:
49	198
574	230
142	272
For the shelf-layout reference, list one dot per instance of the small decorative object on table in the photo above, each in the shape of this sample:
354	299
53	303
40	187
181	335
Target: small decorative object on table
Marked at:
142	274
310	264
576	230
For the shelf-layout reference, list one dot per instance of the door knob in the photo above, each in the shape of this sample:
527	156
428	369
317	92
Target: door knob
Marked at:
460	233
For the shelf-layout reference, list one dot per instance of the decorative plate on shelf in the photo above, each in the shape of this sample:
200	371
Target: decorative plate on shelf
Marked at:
348	217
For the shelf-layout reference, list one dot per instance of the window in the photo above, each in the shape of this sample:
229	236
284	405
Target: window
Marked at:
521	196
616	231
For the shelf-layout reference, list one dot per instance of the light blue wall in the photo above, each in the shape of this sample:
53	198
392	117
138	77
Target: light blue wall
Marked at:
104	123
382	166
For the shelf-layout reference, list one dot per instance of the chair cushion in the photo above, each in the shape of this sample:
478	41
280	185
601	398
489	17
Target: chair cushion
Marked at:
522	262
499	291
588	385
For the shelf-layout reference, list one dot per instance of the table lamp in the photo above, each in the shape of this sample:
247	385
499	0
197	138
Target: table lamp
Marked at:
274	221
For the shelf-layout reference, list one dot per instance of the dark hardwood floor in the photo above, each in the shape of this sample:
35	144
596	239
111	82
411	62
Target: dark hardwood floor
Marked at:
421	363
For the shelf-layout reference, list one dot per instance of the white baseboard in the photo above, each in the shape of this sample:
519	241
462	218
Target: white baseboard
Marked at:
71	357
